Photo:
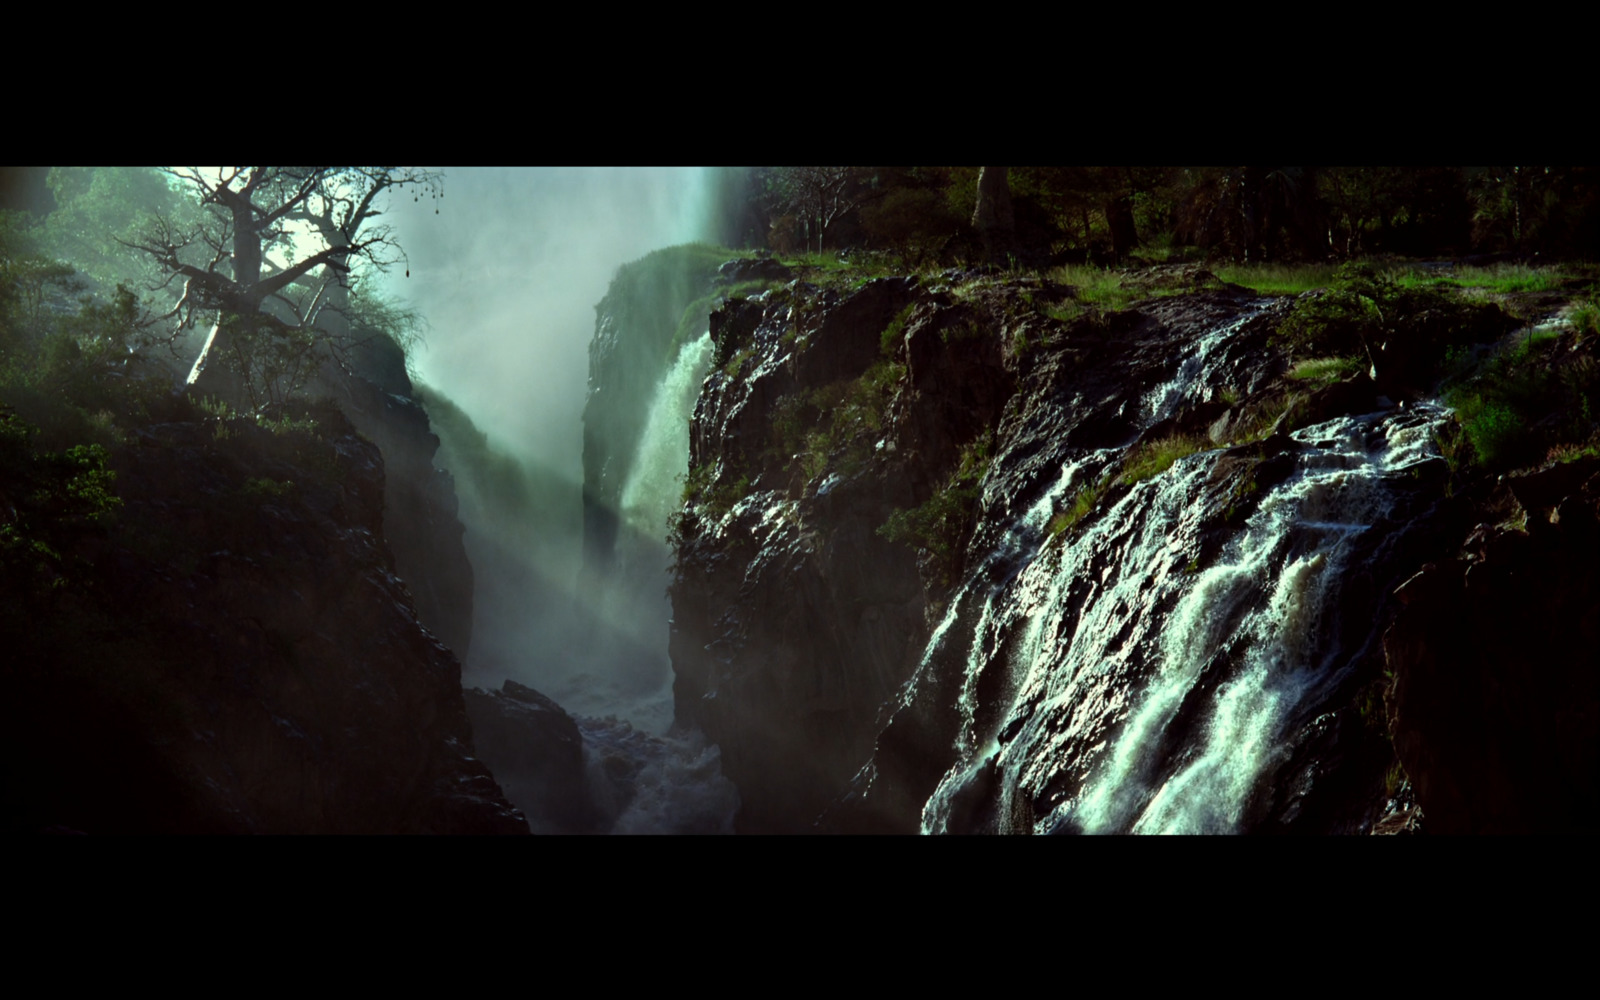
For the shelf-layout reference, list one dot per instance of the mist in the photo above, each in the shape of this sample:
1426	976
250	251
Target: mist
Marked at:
507	275
507	268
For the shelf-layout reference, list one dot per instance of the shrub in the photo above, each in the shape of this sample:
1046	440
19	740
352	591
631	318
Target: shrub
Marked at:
702	489
1585	317
51	500
812	427
941	524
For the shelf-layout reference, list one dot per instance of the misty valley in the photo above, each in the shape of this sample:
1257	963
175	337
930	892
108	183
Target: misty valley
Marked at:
800	500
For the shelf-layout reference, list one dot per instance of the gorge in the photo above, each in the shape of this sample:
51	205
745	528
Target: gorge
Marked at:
840	542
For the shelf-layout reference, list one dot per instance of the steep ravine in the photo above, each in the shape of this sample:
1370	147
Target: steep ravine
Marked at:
580	726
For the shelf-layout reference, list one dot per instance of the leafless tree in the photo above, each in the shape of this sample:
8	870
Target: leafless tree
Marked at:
272	266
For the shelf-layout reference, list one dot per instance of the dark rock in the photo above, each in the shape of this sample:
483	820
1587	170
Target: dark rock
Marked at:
421	515
536	752
243	656
1495	705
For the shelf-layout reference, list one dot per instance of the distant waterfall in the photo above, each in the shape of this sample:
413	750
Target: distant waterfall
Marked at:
654	488
642	779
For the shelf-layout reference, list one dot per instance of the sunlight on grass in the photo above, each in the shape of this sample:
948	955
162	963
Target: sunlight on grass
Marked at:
1278	279
1155	457
1325	369
1082	503
1499	279
1095	286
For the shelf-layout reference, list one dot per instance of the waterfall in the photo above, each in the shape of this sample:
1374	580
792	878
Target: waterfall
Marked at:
653	490
634	601
1132	687
675	778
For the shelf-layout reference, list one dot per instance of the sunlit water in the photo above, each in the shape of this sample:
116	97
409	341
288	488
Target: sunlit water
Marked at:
1104	635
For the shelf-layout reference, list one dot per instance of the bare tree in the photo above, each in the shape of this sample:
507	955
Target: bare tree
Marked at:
277	304
819	196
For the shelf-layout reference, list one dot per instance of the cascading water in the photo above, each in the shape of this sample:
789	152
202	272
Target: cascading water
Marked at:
676	782
1113	682
635	592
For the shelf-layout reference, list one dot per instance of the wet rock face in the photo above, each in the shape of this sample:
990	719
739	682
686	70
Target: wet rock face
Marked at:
793	617
1495	705
796	621
249	659
849	680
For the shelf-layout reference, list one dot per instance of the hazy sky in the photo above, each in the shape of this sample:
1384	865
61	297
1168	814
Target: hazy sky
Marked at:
508	274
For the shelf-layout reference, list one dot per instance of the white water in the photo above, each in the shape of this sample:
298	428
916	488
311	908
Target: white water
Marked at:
1339	491
675	780
626	673
654	489
1106	639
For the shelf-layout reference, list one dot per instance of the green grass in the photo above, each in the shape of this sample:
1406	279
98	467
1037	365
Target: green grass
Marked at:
1498	402
1096	286
1585	317
1503	278
1066	312
1498	279
1325	370
1278	279
1082	503
1155	457
889	340
1259	418
831	270
736	363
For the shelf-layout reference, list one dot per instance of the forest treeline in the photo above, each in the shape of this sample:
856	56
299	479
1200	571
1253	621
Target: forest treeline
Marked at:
1152	215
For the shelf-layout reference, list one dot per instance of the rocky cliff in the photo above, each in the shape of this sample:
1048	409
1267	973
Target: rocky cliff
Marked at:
236	652
969	554
424	529
1494	698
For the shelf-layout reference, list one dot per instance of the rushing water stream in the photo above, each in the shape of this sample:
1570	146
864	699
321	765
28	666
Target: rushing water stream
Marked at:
1131	688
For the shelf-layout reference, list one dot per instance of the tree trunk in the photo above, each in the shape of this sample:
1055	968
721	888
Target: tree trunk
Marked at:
1124	236
993	217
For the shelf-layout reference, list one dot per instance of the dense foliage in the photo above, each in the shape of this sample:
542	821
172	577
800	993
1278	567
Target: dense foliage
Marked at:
1170	214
